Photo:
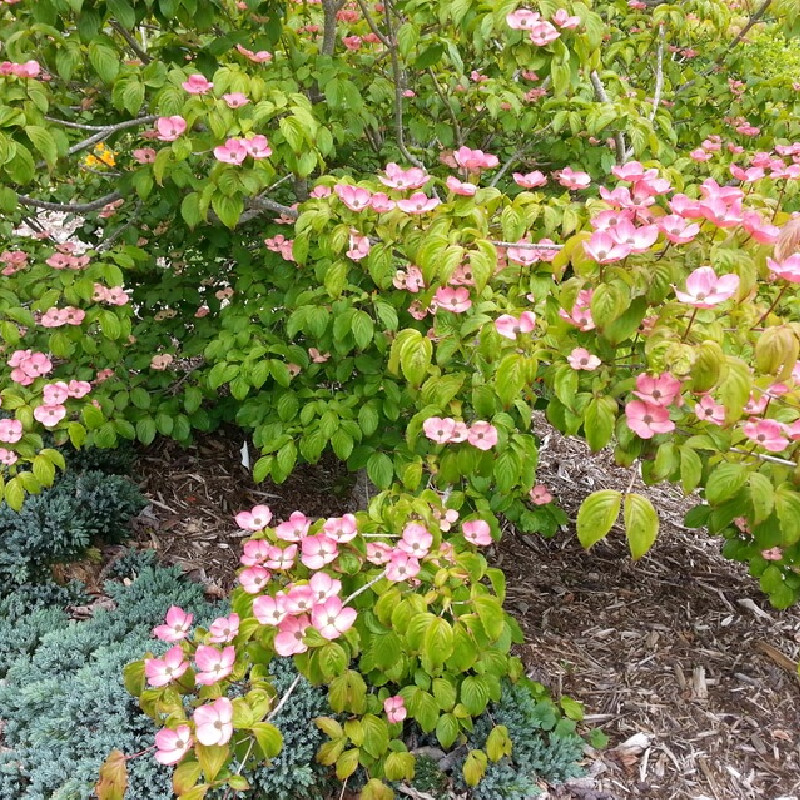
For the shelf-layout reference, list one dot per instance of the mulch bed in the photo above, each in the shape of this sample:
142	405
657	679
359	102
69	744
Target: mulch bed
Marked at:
677	657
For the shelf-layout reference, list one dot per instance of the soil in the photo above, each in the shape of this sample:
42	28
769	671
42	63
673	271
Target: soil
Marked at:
677	658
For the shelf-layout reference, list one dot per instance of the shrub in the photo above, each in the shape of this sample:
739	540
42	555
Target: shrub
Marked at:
58	525
63	702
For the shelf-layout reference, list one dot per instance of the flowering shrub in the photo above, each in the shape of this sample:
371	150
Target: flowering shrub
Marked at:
393	230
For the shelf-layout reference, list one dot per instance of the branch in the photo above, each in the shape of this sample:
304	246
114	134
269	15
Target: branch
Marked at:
398	90
67	124
132	43
70	208
286	696
755	17
459	136
372	26
619	136
659	72
511	160
527	245
109	242
103	133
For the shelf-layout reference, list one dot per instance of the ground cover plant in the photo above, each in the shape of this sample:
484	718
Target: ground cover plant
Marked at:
391	231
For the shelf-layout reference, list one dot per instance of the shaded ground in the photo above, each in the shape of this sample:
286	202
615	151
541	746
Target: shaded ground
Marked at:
678	650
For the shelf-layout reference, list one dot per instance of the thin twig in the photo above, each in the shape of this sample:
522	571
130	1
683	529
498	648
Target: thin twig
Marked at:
131	40
109	242
366	586
659	71
764	457
513	158
457	132
602	96
79	125
398	89
111	129
285	697
527	245
71	208
371	22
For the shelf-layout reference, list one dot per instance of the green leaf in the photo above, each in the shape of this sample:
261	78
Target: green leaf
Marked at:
474	695
416	354
597	514
269	738
641	524
474	767
724	482
376	735
691	469
363	329
438	641
598	423
399	766
380	470
347	763
762	496
104	60
44	142
511	377
787	507
447	730
211	758
122	11
498	743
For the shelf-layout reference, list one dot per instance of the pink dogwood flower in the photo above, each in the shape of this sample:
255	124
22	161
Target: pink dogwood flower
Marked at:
359	247
563	19
474	160
162	671
253	579
341	529
677	230
7	457
197	84
214	722
455	300
788	269
399	178
281	558
482	435
581	358
522	19
224	629
540	495
144	155
767	433
416	540
49	415
573	179
212	665
542	33
317	551
395	709
530	180
710	411
234	151
509	326
354	197
438	430
289	640
331	619
235	99
170	128
401	567
477	532
270	610
705	290
255	552
460	187
323	587
254	520
418	203
172	745
295	528
603	249
176	627
646	419
658	390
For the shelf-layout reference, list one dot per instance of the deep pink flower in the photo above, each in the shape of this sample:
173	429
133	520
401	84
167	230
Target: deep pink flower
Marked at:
477	532
354	197
378	553
482	435
676	229
381	202
177	625
395	709
213	666
234	151
767	433
214	722
168	668
323	587
172	745
563	19
603	249
260	57
359	247
145	155
331	619
658	390
581	358
281	558
257	146
788	269
460	187
646	419
705	290
438	430
474	160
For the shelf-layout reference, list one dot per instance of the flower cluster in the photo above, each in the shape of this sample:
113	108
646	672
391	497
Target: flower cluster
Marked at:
480	434
236	149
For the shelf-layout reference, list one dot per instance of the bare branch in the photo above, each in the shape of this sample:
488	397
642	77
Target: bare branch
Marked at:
659	72
79	125
513	158
459	136
131	40
111	129
602	96
108	243
371	22
71	208
398	89
755	17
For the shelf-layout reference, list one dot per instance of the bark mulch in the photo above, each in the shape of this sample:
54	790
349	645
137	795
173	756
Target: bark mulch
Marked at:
677	657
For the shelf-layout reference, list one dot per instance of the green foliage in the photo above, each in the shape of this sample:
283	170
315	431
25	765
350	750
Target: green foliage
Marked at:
59	524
